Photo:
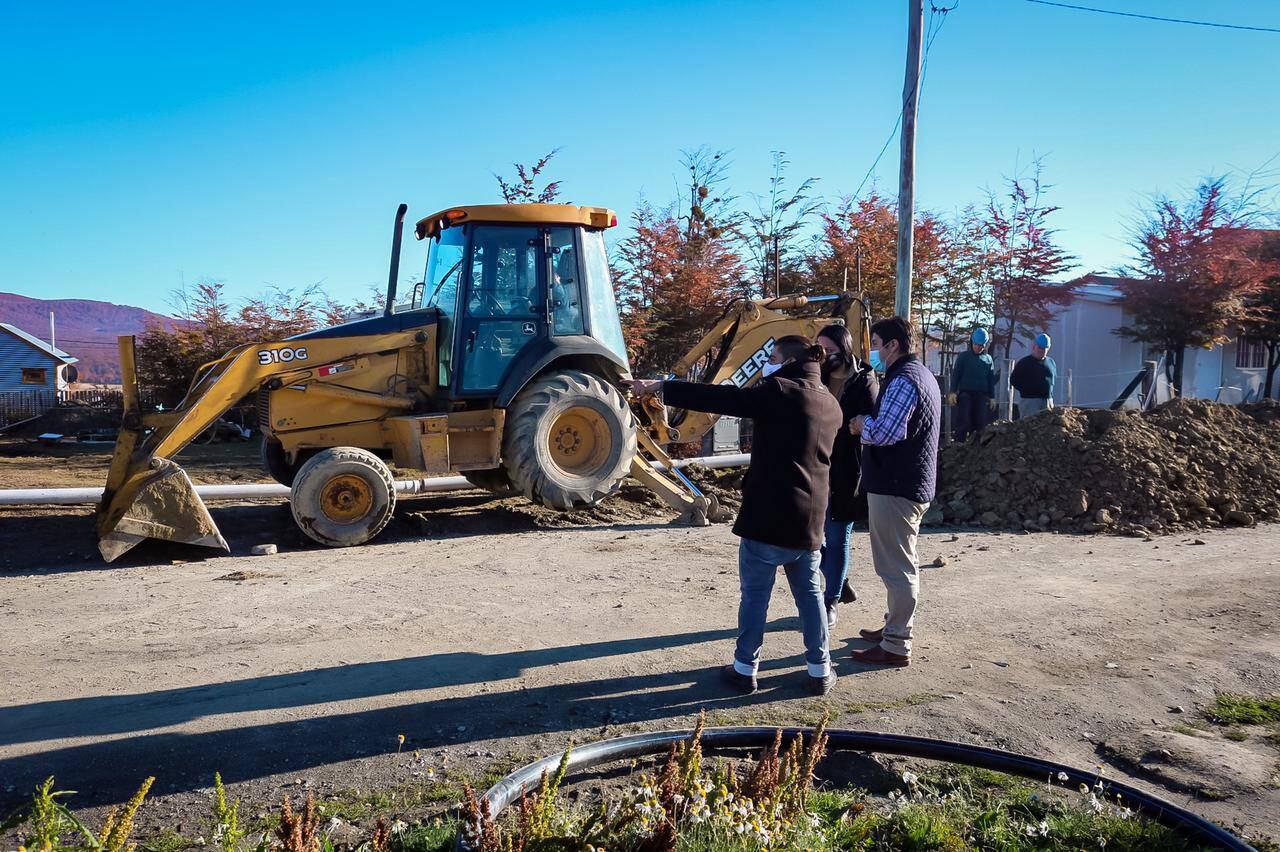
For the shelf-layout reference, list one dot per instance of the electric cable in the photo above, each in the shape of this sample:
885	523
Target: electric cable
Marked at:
1116	12
941	17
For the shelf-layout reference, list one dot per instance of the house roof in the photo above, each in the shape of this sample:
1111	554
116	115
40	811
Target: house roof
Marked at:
1097	287
37	343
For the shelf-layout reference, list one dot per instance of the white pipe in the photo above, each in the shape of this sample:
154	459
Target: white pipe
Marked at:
266	491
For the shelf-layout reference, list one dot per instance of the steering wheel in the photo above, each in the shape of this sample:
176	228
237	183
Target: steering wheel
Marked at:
490	305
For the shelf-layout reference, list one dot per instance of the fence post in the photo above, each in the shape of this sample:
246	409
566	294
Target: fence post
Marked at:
1008	388
1148	383
1070	389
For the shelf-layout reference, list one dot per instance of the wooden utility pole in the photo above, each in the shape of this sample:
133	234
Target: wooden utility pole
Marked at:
907	168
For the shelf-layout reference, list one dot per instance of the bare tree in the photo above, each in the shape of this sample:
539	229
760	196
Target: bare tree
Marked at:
774	232
523	188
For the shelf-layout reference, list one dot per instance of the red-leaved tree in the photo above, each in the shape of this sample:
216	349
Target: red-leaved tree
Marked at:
677	268
1197	277
1022	258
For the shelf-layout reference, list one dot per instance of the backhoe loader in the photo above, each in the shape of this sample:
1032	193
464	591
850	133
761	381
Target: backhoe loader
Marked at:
503	365
739	344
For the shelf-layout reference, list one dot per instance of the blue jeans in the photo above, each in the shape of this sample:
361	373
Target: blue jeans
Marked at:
757	570
835	555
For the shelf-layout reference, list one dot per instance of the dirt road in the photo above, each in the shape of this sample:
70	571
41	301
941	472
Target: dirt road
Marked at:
306	666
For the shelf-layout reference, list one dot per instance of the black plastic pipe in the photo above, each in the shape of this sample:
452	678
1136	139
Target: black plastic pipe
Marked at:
509	789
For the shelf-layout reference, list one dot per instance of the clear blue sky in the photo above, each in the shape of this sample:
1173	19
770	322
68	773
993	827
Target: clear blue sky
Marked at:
269	143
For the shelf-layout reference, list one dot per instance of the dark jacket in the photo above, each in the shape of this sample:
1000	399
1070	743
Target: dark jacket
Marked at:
1033	378
784	495
973	373
857	397
908	468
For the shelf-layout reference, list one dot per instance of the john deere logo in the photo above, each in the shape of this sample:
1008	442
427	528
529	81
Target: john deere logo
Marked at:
747	370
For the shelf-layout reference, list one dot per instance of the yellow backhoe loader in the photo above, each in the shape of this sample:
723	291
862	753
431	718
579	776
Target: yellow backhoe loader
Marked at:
739	344
503	365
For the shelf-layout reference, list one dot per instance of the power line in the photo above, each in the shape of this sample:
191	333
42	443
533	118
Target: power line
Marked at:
941	12
1217	24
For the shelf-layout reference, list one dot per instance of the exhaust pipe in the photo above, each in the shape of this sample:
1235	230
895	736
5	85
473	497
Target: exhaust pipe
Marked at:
394	274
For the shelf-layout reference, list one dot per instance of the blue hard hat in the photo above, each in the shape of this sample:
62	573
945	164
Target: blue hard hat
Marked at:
1043	340
979	336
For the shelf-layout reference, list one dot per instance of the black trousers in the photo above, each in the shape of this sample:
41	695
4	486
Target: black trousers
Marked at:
971	414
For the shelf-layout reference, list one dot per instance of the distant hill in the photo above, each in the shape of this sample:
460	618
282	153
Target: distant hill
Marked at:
84	328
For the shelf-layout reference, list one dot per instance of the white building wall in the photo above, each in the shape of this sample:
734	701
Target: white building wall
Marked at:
1240	383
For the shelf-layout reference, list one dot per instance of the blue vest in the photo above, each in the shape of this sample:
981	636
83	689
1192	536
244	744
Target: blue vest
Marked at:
908	468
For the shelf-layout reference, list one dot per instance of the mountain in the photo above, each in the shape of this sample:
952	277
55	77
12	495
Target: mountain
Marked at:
84	328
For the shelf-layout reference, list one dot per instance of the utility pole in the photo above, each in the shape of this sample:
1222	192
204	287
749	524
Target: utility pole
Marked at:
907	167
777	286
858	261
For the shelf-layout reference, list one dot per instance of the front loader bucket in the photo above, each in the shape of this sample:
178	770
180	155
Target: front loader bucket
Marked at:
156	503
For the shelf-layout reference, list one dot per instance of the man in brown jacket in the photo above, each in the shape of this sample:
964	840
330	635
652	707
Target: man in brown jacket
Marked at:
784	497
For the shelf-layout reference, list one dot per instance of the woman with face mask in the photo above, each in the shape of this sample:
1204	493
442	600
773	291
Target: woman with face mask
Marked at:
857	390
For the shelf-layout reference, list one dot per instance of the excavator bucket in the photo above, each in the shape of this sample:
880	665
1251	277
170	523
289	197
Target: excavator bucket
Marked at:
695	508
147	495
158	503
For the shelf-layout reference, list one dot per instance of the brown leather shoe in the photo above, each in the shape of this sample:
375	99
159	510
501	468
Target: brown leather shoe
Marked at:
872	635
878	656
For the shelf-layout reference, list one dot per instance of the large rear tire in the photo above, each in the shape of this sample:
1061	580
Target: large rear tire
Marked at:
343	496
494	480
276	464
569	440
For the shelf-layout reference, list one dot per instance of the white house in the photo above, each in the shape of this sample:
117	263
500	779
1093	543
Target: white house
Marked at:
1095	364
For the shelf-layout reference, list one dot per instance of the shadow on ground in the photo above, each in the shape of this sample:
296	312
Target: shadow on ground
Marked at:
108	770
63	539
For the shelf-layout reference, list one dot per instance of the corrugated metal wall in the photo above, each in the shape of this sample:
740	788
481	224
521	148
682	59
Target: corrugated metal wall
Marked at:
15	354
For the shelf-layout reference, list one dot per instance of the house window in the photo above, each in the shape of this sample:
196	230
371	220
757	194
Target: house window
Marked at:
1251	354
35	376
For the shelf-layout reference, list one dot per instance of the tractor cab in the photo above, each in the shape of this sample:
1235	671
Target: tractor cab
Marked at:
516	288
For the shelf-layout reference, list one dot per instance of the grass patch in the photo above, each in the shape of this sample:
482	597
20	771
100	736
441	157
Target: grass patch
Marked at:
167	840
427	838
1188	730
1236	735
1232	709
355	806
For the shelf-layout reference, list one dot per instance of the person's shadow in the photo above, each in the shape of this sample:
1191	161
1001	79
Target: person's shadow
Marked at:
133	743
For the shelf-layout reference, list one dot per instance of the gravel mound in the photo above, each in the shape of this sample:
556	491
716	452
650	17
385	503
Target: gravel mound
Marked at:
1187	464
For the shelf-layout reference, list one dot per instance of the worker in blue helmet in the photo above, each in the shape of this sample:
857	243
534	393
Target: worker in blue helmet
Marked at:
973	387
1033	378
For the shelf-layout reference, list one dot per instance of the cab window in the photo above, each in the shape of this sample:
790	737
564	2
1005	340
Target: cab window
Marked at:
605	325
566	292
440	290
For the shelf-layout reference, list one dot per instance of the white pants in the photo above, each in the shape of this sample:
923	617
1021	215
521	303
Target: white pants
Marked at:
895	525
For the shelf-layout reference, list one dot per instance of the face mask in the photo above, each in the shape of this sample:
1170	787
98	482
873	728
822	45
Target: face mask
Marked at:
876	363
769	369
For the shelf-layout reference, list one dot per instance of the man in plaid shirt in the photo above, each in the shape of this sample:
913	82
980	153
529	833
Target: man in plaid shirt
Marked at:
899	473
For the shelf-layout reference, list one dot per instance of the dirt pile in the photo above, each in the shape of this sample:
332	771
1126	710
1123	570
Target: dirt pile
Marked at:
1187	464
725	484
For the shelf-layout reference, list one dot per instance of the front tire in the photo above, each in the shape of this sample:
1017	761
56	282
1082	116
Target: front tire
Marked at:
569	440
343	497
